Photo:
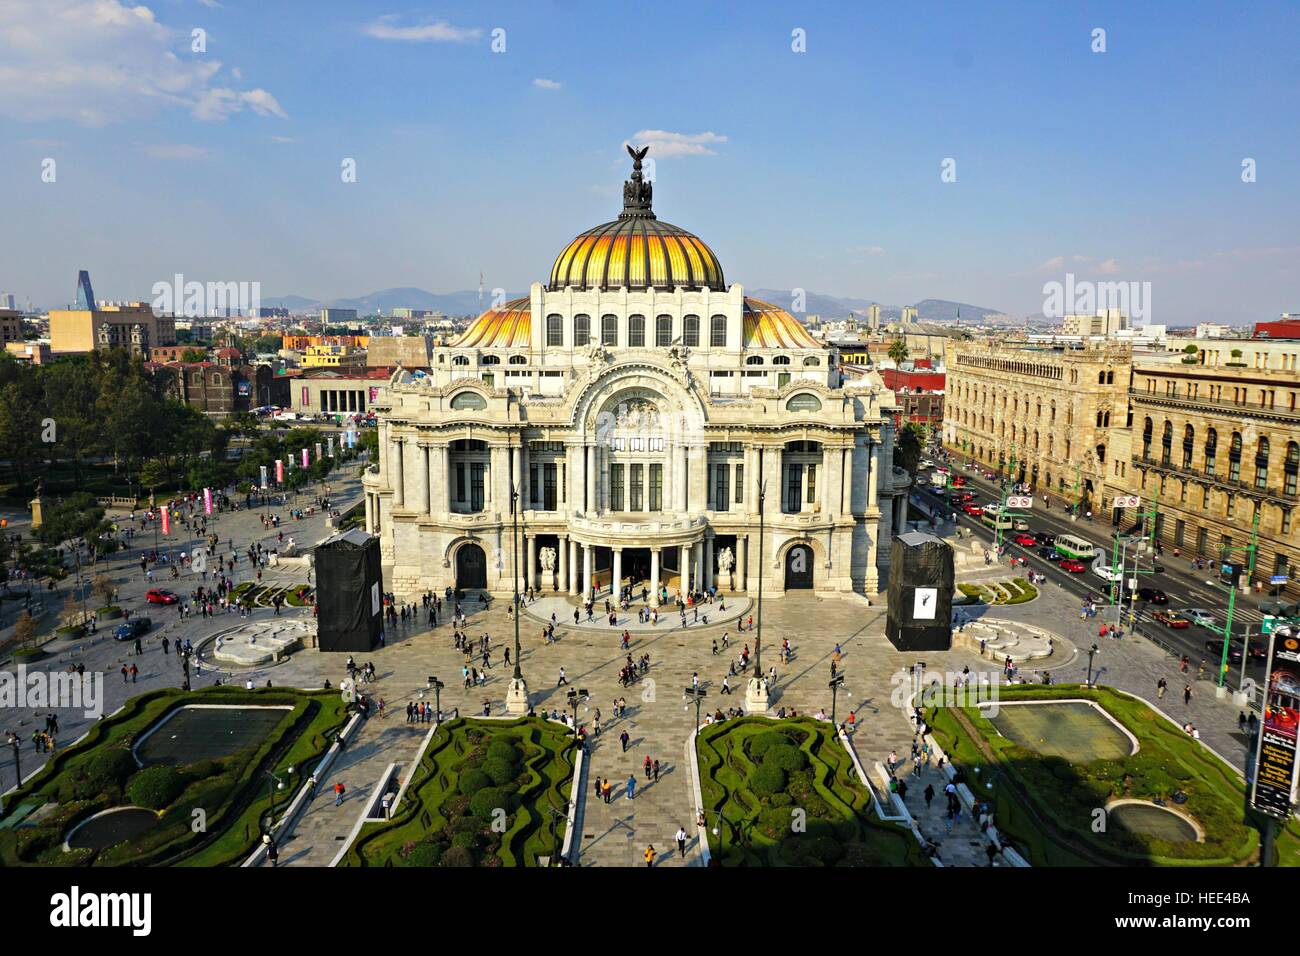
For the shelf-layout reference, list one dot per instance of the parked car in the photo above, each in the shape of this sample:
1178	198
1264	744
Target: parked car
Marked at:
133	628
1172	619
1199	616
160	596
1073	566
1153	595
1025	540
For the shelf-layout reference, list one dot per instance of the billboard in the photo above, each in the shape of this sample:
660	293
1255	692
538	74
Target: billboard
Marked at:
1275	749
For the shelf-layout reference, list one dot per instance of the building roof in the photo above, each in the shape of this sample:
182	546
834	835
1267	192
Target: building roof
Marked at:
637	253
770	327
504	328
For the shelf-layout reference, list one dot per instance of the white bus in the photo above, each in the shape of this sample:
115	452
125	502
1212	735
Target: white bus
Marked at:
1069	546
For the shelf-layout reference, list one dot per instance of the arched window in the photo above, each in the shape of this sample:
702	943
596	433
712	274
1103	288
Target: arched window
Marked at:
663	331
1146	440
754	360
1261	464
1290	468
691	331
460	360
519	360
1211	450
718	332
1101	378
1234	458
1189	441
468	401
812	360
554	332
490	360
581	331
781	360
609	330
636	331
803	402
1101	454
1166	442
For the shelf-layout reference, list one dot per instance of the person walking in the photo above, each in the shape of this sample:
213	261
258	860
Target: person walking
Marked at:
681	841
1187	695
339	790
648	766
650	855
563	680
656	771
623	738
1161	686
631	786
928	793
607	789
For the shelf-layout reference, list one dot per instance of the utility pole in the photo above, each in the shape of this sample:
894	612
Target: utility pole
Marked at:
1226	553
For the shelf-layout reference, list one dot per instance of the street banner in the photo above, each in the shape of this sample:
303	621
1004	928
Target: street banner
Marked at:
318	451
264	477
166	520
352	438
279	471
305	461
330	445
1275	749
207	501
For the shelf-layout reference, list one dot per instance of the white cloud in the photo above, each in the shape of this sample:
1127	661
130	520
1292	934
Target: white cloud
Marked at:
1109	267
100	61
174	151
388	28
868	250
664	143
211	4
1052	264
544	84
284	139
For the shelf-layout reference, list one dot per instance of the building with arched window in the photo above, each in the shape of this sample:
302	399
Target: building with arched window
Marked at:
635	406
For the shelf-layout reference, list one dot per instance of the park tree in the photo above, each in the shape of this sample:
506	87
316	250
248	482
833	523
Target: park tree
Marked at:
898	351
907	448
25	630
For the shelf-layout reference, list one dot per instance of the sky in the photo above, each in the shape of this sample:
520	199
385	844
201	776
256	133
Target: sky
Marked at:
486	135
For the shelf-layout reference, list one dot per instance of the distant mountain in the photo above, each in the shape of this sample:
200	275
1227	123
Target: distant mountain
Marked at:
835	307
386	300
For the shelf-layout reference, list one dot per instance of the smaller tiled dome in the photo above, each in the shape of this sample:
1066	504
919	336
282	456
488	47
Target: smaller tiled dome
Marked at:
507	327
770	327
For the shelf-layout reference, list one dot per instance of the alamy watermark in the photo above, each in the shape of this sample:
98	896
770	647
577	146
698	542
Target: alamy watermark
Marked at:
1085	297
41	690
202	299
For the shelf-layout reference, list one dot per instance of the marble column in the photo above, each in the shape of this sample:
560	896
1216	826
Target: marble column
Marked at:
742	562
420	479
873	476
708	562
616	582
370	513
530	570
514	477
573	566
654	577
399	474
684	563
445	504
589	473
588	561
697	568
563	580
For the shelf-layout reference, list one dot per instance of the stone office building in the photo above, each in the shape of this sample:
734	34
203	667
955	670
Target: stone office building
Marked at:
640	406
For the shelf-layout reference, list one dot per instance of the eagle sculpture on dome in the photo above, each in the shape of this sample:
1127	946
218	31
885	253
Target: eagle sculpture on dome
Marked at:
637	193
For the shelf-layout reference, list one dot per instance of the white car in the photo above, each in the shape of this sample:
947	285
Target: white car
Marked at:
1102	568
1199	616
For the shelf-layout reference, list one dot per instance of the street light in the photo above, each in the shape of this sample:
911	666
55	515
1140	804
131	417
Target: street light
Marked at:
1092	652
576	697
835	684
697	694
758	638
273	783
436	686
18	768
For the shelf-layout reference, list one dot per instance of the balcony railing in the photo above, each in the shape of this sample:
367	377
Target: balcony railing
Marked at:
1188	473
1245	409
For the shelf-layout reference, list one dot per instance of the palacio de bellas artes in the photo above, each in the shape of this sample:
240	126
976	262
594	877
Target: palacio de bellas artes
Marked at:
638	419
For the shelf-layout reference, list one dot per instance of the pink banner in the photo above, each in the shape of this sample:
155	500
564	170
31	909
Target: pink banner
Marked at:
207	501
279	471
166	520
305	460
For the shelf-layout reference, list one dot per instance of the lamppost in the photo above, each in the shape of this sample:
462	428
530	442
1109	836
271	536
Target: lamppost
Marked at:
517	694
756	692
835	684
575	697
18	767
273	783
1092	652
436	686
697	694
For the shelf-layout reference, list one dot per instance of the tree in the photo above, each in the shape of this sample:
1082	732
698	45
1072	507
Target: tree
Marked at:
103	588
898	351
194	355
25	630
907	448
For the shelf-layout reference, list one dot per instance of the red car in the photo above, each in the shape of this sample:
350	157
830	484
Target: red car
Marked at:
1073	566
159	596
958	481
1172	619
1025	540
974	511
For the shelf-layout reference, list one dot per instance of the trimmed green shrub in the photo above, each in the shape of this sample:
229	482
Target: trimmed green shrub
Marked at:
768	778
472	781
458	856
155	787
427	853
500	771
484	803
503	750
465	840
787	758
762	742
110	767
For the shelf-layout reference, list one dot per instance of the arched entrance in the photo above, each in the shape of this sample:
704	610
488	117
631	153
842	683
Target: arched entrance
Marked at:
471	567
799	568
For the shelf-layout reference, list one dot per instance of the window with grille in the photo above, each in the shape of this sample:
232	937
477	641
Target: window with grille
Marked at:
718	331
581	331
609	330
636	331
